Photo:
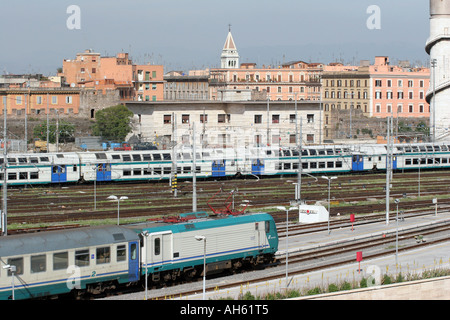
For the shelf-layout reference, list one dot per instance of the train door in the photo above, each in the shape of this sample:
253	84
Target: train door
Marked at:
394	163
357	163
218	168
161	248
103	172
261	234
59	173
133	261
258	166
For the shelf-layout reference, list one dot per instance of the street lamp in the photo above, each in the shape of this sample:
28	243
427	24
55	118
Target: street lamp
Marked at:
287	237
118	204
12	269
397	201
145	234
329	187
203	238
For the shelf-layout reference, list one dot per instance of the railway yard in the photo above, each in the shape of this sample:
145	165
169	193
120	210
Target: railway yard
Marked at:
32	209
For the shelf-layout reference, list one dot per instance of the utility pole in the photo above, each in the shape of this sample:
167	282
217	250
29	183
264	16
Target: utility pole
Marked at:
4	215
194	172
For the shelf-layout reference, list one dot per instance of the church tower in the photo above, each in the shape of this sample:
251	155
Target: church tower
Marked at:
438	47
230	57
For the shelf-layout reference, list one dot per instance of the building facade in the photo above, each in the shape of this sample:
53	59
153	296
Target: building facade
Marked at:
134	82
227	124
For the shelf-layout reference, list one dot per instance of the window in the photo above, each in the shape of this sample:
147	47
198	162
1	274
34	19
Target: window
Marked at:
378	83
82	258
18	263
203	118
54	99
275	118
167	119
157	246
103	255
60	260
310	118
221	118
185	118
38	263
258	118
122	252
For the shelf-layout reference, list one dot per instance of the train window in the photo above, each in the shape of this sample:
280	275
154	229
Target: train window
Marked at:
23	175
126	157
294	153
437	148
103	255
121	253
187	156
278	166
157	156
444	160
136	157
205	154
338	164
133	251
1	161
34	175
198	169
430	161
82	258
38	263
12	176
22	160
137	172
305	165
157	170
147	157
74	168
407	162
295	165
330	164
330	152
312	152
430	148
415	149
338	151
34	160
147	171
100	155
287	153
407	149
18	263
115	156
167	170
60	155
287	166
321	152
186	169
313	165
12	160
167	156
157	246
268	152
127	172
321	165
60	260
422	148
444	148
267	226
304	152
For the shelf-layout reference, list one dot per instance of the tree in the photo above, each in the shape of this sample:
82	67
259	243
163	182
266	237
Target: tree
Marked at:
65	128
113	123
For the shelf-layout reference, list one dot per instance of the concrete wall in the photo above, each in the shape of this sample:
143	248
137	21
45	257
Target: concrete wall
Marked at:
429	289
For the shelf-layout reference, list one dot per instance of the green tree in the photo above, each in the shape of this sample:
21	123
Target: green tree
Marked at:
65	128
113	123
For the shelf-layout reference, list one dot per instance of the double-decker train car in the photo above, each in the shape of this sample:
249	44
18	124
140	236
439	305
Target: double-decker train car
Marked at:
148	165
93	260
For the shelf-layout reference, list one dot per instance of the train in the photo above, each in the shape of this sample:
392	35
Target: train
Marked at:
148	165
94	260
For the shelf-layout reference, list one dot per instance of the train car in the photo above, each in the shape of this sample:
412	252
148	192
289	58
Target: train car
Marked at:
172	251
56	262
41	168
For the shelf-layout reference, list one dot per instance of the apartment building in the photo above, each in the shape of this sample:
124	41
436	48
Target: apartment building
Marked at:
134	82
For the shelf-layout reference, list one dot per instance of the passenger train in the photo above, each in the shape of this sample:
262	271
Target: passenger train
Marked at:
96	259
147	165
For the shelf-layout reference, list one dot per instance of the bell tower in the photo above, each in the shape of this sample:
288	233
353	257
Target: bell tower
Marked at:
230	57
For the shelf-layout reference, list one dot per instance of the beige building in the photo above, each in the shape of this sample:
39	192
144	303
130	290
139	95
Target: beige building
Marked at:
227	124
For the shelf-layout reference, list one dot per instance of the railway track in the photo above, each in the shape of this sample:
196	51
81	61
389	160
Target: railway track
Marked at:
333	255
75	203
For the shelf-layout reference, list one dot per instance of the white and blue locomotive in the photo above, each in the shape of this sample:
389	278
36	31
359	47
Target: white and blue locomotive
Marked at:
93	260
212	163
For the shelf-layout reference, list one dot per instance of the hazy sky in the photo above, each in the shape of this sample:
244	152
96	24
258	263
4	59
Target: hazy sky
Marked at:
190	34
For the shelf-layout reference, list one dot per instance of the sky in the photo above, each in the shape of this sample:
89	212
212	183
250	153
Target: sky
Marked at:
36	36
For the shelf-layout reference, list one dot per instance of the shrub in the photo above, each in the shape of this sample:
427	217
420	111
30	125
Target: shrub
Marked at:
333	288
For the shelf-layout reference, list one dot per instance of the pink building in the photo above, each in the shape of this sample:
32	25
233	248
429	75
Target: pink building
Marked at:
399	90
